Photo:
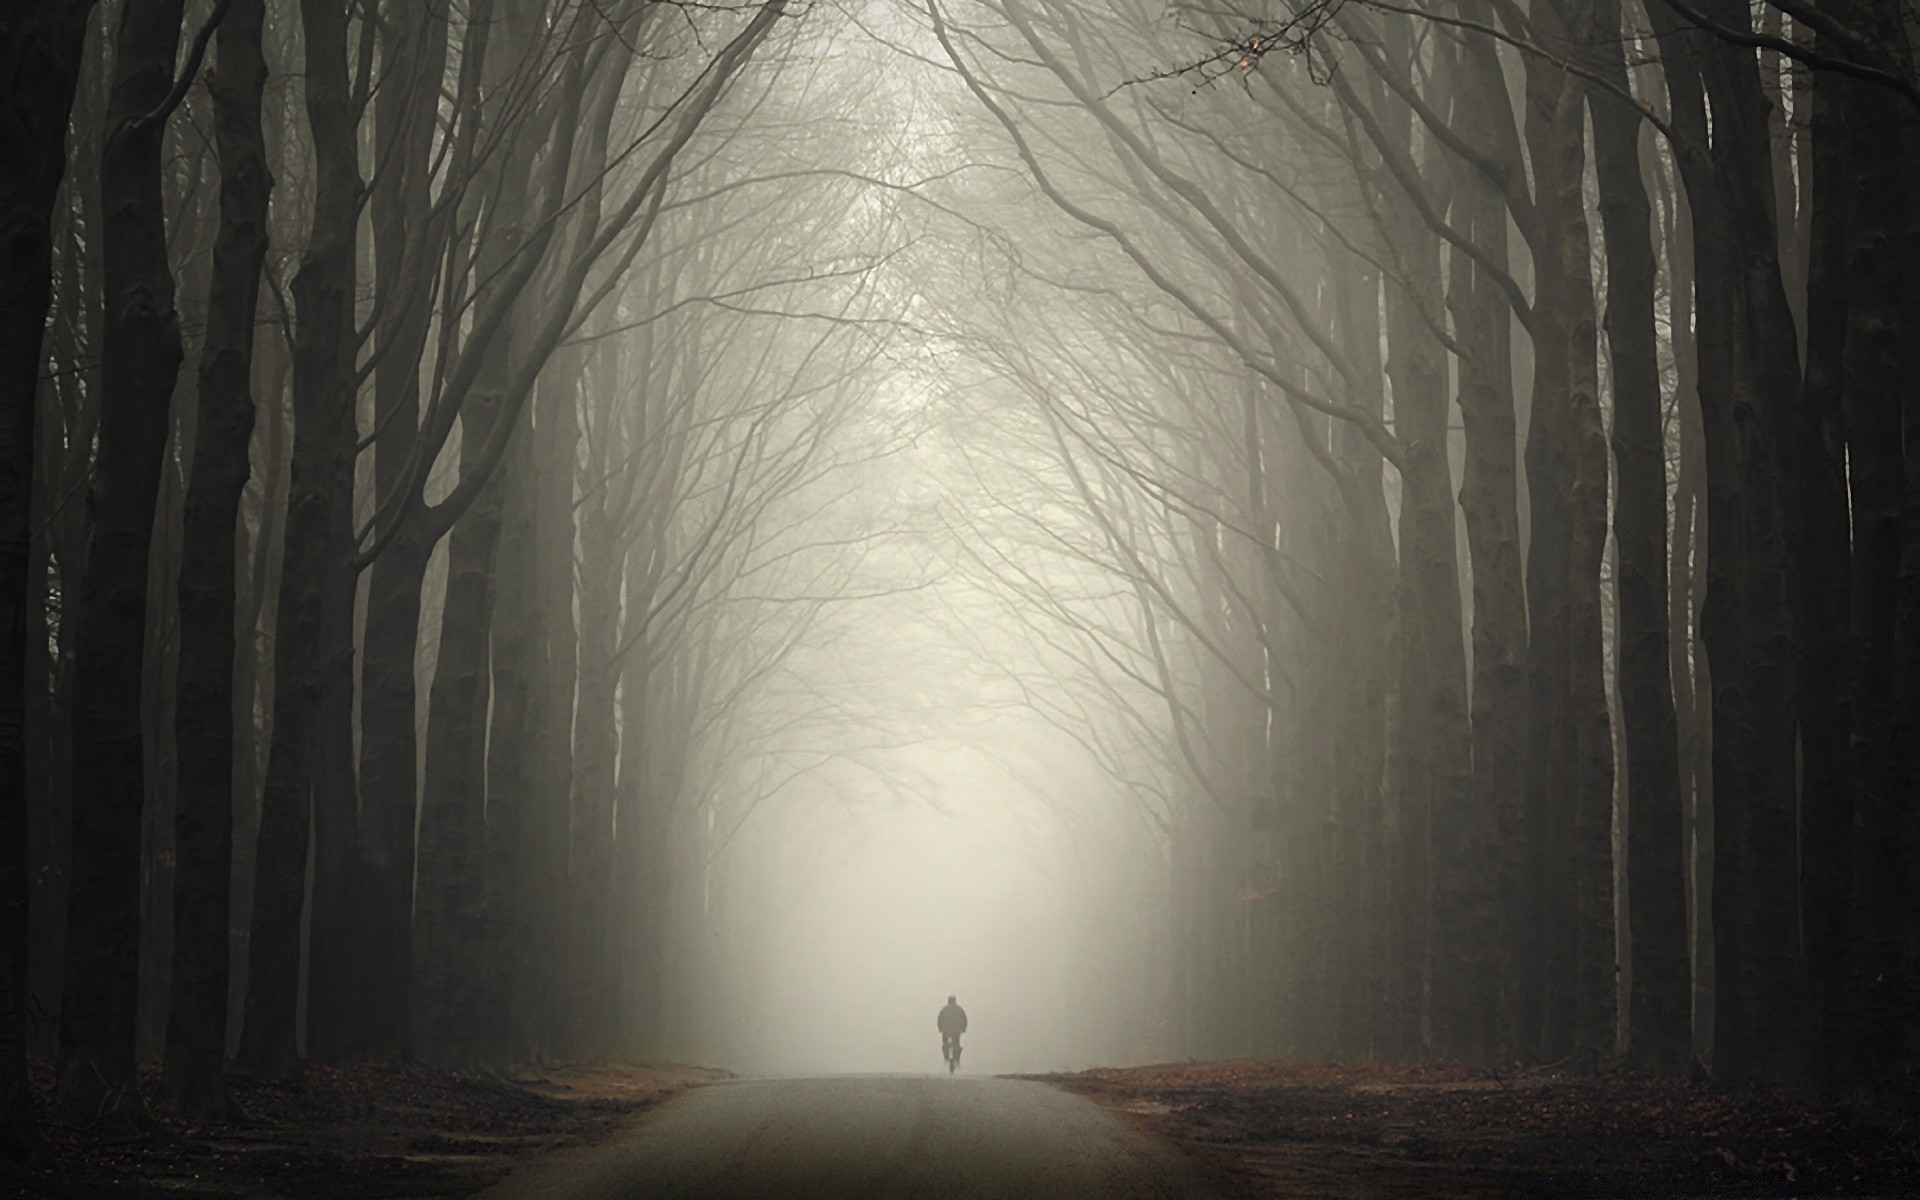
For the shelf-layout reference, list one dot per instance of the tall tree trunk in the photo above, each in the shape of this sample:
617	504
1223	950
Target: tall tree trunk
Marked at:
1572	798
314	643
1761	1029
345	967
1692	680
591	999
253	677
193	1081
1822	577
141	354
405	242
1364	586
1551	792
389	689
41	44
1444	835
516	812
1439	899
459	830
1489	501
557	434
1749	374
1881	168
1659	1006
68	416
449	902
158	680
640	891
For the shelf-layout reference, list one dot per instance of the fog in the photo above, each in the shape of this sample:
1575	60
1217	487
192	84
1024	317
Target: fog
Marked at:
585	530
885	914
924	830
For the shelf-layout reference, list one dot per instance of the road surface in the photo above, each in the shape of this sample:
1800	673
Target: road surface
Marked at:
867	1137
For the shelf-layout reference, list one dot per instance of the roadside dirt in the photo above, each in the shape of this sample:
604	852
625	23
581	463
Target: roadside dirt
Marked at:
372	1132
1311	1131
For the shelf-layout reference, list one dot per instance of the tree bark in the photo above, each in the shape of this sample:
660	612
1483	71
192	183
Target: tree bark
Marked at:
449	902
591	999
1363	584
314	645
405	244
1687	568
42	45
1822	577
557	432
1489	502
141	355
1571	747
253	676
193	1083
1880	168
1748	371
1444	835
1659	1006
516	811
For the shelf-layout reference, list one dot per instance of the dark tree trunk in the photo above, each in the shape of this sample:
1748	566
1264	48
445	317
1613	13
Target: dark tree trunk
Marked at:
516	812
640	894
1440	897
269	1033
68	414
1489	502
141	356
193	1082
449	901
1761	1027
1749	374
1551	791
253	676
1444	835
344	965
1687	567
405	240
1363	584
313	646
458	825
159	674
1822	578
1881	169
590	1001
1596	955
41	43
1659	1007
557	433
389	696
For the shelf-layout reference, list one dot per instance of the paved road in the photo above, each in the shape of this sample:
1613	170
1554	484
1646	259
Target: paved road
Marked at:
868	1137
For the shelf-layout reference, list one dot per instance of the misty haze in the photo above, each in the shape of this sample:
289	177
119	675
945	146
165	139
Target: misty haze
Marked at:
953	598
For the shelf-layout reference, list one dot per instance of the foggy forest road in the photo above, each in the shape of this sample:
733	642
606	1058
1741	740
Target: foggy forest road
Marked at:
868	1137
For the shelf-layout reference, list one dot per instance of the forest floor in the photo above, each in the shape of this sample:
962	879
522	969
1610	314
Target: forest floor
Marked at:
1310	1130
355	1131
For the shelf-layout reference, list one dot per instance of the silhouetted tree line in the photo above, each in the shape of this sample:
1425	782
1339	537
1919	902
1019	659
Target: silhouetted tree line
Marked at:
265	261
1503	414
1494	419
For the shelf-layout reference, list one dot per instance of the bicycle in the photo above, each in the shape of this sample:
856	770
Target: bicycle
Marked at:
950	1050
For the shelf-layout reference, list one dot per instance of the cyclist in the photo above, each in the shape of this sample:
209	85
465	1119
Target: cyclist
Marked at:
953	1023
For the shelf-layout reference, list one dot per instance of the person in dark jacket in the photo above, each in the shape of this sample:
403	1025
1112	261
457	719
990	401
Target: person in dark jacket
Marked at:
953	1023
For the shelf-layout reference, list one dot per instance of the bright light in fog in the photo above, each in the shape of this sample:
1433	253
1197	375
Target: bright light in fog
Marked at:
882	909
911	828
909	906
